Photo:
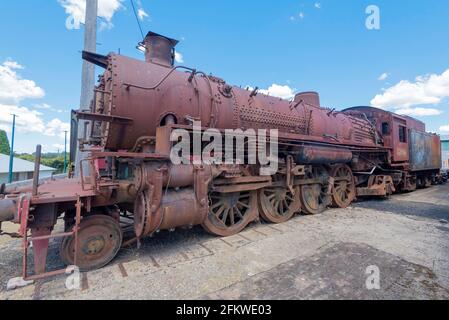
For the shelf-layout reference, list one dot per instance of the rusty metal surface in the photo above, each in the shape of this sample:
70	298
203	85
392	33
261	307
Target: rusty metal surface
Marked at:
315	197
278	204
98	240
324	155
159	49
230	213
343	190
180	208
148	93
401	148
388	126
61	190
102	117
318	155
377	186
425	151
311	98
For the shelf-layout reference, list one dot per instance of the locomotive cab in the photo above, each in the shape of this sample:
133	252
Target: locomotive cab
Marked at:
393	129
412	149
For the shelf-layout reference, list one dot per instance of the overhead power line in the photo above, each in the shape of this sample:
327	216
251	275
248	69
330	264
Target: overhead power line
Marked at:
137	17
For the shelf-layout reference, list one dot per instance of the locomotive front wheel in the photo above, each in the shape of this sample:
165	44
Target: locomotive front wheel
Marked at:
230	213
99	240
343	192
279	204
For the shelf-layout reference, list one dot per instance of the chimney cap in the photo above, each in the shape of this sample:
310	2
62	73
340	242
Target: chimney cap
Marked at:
154	34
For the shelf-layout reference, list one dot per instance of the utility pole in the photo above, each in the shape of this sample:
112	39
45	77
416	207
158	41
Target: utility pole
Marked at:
65	151
88	76
11	152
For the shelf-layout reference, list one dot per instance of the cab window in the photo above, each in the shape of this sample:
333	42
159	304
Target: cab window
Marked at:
385	128
402	134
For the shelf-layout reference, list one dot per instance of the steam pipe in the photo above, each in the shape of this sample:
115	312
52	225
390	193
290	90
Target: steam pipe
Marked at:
129	85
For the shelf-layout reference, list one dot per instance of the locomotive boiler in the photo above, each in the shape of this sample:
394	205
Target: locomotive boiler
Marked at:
325	158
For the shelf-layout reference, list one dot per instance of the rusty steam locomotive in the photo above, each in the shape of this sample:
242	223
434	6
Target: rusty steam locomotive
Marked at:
326	158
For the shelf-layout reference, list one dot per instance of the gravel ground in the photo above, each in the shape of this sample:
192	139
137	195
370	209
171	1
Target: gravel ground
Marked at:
325	256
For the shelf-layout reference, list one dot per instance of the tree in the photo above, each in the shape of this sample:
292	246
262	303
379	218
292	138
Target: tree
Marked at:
53	160
4	143
56	162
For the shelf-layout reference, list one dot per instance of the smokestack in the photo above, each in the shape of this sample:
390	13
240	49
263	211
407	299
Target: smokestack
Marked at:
159	49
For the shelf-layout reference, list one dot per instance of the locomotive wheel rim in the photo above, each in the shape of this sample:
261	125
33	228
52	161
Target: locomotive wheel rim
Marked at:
314	197
99	240
230	213
278	204
343	192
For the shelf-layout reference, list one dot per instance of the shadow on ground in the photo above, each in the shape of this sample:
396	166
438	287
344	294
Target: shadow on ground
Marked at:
339	272
408	208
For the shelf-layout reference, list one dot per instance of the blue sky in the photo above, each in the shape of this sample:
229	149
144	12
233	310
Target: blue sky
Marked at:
282	46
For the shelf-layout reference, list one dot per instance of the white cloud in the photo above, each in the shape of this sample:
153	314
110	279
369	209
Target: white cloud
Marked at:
43	106
106	25
300	16
13	88
317	5
383	76
77	9
27	121
278	91
12	65
56	128
30	121
428	89
179	57
444	129
419	112
142	14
